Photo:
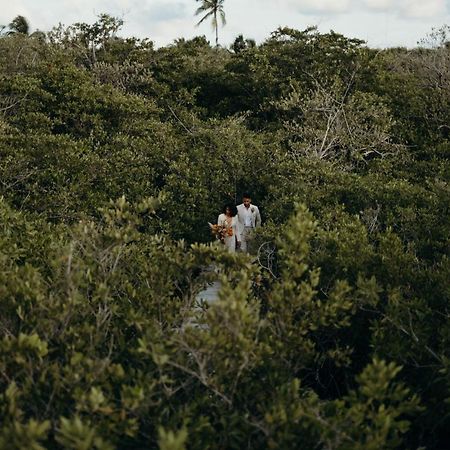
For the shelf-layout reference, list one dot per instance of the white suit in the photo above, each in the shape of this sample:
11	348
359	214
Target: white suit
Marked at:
249	219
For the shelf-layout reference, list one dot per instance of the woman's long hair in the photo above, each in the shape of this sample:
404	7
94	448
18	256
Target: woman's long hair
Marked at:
232	207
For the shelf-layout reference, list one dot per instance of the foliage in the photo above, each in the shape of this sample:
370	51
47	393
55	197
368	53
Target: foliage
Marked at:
212	8
115	155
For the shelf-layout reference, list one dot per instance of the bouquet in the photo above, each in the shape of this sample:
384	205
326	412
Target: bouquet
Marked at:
220	231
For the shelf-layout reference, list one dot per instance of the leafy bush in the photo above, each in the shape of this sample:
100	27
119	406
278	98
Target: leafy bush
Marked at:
114	155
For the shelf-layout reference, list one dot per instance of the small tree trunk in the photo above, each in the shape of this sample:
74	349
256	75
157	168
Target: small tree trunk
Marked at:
217	30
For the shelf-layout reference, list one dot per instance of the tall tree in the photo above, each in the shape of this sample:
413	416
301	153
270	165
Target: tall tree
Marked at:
212	8
19	25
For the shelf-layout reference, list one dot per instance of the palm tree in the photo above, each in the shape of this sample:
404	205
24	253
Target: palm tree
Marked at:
213	8
19	25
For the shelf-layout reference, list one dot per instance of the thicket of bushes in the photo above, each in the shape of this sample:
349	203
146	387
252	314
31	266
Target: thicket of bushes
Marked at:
114	155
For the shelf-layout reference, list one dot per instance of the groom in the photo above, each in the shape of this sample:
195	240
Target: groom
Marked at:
248	219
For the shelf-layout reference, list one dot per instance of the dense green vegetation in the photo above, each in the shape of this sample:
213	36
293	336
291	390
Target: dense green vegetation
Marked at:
114	155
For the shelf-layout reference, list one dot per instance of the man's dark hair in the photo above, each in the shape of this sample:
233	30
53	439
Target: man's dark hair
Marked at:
232	207
246	195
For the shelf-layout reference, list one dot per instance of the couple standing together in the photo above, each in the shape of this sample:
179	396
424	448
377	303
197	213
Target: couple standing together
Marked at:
239	223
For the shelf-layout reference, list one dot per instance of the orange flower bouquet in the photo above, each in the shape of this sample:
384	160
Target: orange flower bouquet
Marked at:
220	231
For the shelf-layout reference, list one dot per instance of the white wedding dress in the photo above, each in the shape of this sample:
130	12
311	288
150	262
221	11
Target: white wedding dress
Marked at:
230	241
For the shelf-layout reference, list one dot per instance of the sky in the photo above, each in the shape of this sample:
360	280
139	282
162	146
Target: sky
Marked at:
381	23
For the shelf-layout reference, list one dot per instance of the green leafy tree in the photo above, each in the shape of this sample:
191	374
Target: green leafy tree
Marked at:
19	25
241	44
114	155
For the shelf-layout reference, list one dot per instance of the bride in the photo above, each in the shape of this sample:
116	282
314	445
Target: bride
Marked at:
228	220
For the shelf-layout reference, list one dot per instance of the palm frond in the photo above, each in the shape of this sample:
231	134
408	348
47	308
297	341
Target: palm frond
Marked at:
200	10
207	4
204	18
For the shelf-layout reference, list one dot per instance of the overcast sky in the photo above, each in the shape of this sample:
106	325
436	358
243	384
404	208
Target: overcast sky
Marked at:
382	23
